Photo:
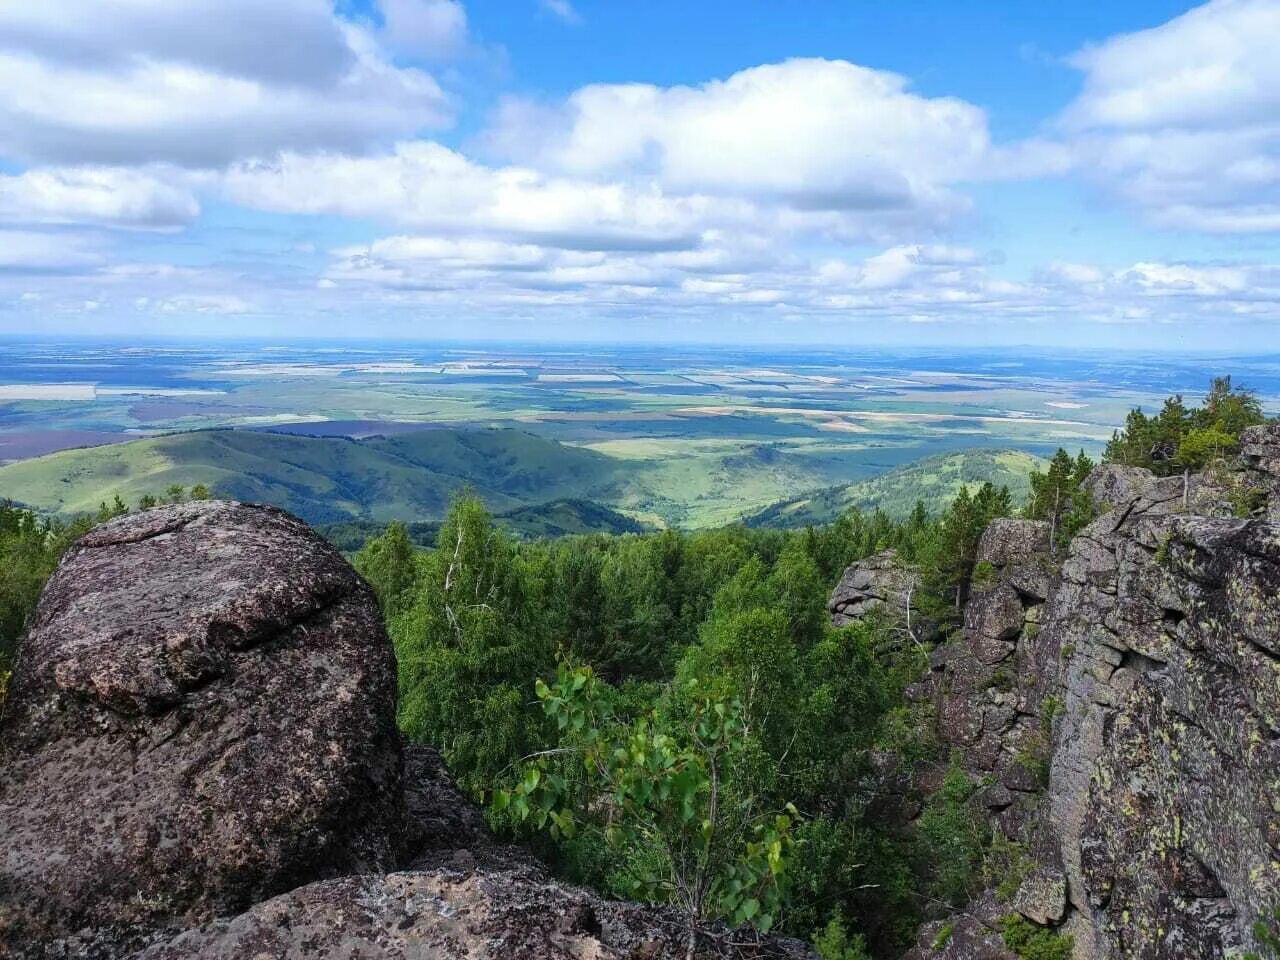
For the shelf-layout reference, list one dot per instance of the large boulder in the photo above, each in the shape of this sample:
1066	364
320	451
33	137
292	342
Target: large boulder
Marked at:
882	585
1010	540
202	717
461	910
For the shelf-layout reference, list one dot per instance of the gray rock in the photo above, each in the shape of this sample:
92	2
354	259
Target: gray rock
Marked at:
1113	485
1009	540
996	613
879	583
201	717
1158	647
1165	772
1042	898
477	912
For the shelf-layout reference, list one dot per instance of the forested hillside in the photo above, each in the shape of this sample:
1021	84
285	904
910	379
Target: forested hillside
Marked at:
671	716
897	491
321	479
641	642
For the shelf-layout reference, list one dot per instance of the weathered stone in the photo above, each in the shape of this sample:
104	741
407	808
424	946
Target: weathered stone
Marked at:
995	614
1114	485
202	716
972	935
1158	652
1260	449
880	584
460	911
1007	540
1162	779
1042	898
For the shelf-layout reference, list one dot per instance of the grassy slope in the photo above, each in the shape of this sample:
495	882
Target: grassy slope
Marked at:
322	479
935	480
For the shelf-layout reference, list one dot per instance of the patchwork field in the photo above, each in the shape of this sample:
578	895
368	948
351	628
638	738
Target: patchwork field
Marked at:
679	436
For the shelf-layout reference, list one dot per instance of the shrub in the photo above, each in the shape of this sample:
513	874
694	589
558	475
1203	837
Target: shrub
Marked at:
952	838
984	574
1035	943
835	943
943	936
1267	932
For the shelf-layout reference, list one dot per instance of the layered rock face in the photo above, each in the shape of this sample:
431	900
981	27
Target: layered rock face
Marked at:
198	757
1140	681
1166	775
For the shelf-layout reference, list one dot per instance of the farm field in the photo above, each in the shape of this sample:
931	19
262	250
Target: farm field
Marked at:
688	437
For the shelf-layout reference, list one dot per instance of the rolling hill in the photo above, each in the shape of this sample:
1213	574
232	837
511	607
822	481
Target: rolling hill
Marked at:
935	480
321	479
556	518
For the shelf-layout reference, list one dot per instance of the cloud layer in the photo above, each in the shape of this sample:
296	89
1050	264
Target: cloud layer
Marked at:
804	188
198	83
1183	121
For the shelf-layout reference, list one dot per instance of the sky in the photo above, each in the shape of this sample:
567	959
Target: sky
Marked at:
816	172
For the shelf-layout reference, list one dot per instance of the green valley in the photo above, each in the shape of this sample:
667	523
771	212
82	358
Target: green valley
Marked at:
536	485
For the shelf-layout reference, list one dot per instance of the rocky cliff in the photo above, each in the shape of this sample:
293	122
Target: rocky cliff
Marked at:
198	757
1120	702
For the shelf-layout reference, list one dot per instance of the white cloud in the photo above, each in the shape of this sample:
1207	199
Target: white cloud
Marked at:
32	252
98	195
1183	120
198	82
424	184
561	9
910	283
814	134
430	28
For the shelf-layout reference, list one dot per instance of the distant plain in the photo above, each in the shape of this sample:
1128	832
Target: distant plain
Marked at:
682	436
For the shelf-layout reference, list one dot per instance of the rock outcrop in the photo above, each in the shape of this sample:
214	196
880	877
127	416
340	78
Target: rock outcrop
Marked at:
201	717
1167	768
199	757
879	584
1122	702
988	683
486	911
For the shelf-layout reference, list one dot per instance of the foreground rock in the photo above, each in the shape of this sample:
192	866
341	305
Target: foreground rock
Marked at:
199	758
201	717
1165	777
459	910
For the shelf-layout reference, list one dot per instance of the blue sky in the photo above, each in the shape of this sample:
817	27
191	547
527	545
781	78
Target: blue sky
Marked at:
821	172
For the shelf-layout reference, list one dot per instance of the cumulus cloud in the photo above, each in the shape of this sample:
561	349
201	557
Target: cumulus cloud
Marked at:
1183	120
425	184
98	195
815	134
914	283
435	29
199	83
803	188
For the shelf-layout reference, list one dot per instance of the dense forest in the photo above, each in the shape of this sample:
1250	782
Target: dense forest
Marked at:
671	716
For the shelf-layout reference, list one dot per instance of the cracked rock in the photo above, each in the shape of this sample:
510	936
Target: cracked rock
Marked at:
202	716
